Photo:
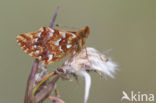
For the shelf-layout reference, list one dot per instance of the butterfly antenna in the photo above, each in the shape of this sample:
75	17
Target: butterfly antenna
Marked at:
65	26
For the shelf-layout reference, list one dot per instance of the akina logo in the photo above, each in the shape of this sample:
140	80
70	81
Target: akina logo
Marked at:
137	96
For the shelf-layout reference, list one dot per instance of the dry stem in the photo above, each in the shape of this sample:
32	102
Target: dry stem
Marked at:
44	92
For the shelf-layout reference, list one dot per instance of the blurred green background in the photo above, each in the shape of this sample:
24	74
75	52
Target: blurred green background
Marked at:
128	27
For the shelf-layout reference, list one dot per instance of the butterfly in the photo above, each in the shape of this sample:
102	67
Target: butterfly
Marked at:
50	45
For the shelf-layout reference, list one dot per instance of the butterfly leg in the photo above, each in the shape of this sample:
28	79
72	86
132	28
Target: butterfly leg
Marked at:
65	26
87	56
86	52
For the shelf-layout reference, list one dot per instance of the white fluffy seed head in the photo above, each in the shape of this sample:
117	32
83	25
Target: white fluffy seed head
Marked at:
94	60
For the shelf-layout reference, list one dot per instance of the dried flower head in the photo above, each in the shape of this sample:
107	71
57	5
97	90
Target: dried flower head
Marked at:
89	59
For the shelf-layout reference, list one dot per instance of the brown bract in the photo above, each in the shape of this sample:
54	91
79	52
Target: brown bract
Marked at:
50	45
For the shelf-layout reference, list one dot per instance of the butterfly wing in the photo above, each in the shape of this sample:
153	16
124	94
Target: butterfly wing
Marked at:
46	44
27	42
62	45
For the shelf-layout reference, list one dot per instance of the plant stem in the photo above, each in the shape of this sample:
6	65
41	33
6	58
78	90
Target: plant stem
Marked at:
29	98
30	81
54	17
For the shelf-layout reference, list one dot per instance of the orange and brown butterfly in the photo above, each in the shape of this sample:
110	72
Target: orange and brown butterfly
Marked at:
50	45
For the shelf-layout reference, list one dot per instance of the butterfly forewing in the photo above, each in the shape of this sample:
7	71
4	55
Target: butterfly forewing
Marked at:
49	45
